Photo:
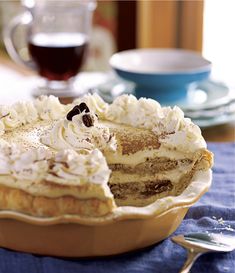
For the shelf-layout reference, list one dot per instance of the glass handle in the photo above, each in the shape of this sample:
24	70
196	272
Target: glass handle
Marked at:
8	35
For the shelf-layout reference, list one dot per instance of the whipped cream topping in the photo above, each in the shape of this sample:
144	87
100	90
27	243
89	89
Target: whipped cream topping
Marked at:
17	114
76	135
187	138
49	107
169	123
23	165
20	113
145	113
66	167
9	118
72	168
26	111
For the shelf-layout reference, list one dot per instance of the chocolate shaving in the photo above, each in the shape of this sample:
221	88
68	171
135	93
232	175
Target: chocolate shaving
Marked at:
78	109
75	111
110	137
54	173
4	116
83	107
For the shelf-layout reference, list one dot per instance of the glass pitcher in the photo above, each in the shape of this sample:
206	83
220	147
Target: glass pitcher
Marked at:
56	38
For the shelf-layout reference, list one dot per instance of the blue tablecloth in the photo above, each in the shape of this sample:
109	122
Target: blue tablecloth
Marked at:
216	210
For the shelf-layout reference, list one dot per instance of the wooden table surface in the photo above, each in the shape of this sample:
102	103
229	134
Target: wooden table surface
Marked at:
220	133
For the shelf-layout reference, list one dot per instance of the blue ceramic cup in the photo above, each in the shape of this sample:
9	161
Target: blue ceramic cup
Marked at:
161	74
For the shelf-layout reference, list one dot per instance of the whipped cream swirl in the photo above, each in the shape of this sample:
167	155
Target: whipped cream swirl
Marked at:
20	113
71	168
50	108
168	123
26	111
9	118
66	167
75	134
188	138
23	165
13	116
145	113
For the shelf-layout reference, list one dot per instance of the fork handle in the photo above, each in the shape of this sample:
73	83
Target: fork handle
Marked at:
192	256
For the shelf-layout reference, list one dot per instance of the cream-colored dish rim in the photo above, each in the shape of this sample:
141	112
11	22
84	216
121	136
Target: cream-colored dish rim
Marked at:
199	185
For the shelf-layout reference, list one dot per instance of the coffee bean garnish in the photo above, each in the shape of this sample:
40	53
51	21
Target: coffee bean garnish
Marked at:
78	109
88	120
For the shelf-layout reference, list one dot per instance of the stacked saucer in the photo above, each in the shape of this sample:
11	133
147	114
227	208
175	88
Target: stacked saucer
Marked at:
208	103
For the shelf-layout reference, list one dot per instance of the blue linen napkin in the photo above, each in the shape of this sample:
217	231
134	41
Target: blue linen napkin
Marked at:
215	210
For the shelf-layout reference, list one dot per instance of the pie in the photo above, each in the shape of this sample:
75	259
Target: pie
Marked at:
88	158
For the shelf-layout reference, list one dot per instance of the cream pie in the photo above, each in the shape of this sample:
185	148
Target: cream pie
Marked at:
89	157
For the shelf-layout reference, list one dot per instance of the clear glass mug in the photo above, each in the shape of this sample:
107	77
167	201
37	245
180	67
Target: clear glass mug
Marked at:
57	38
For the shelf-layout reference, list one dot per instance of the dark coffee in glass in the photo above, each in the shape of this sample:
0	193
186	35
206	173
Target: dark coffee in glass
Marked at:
57	41
58	56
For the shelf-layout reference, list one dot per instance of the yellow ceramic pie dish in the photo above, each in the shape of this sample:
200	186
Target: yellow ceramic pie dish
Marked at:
91	179
125	229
